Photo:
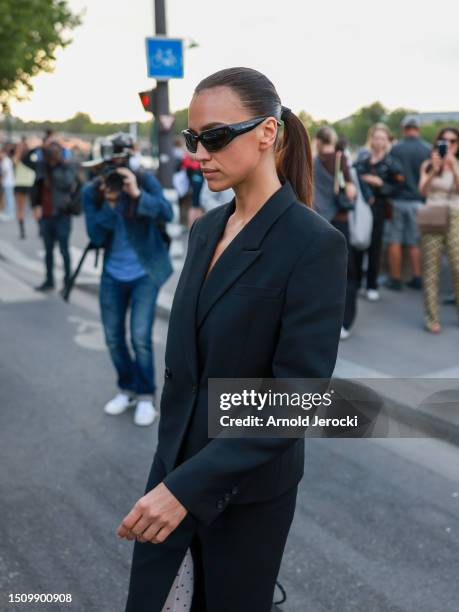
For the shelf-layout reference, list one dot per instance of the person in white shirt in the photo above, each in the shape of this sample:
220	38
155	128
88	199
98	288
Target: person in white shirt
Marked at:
7	178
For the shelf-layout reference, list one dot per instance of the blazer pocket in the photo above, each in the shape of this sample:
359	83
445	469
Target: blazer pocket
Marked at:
255	291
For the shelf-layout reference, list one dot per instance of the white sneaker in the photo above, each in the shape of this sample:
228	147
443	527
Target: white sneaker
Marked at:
145	413
119	404
372	295
345	333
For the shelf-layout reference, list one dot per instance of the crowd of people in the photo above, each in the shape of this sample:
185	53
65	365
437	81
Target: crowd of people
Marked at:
400	181
403	184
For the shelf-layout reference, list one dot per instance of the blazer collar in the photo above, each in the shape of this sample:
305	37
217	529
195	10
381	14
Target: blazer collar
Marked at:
258	226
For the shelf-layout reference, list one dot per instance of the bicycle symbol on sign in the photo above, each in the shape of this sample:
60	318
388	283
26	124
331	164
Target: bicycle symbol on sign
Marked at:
164	58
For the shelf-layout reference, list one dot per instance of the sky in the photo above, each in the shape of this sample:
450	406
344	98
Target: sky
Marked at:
328	58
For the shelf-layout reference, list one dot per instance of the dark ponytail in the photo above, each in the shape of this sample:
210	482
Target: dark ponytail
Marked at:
294	157
259	96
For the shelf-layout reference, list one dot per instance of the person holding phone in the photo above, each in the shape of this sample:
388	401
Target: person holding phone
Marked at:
261	294
439	183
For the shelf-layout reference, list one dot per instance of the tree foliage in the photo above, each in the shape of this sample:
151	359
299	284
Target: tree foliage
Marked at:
30	33
354	128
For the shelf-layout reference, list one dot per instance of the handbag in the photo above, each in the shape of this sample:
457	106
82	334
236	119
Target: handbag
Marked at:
433	218
342	202
360	220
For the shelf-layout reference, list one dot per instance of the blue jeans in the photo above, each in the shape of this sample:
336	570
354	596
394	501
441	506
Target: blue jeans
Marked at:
56	229
135	375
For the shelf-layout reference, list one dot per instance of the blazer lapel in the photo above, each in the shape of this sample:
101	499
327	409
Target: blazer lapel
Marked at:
203	249
241	253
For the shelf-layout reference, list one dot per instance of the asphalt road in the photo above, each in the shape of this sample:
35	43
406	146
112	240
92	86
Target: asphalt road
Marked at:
376	528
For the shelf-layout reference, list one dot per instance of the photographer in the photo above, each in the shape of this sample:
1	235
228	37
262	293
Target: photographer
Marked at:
439	183
55	180
124	211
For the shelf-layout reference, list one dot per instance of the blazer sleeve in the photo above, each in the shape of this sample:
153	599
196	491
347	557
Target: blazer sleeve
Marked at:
307	348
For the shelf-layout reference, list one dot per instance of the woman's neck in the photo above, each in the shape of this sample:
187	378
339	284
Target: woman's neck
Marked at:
254	191
376	156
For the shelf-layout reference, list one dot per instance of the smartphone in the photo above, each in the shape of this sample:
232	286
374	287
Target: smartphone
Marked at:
442	148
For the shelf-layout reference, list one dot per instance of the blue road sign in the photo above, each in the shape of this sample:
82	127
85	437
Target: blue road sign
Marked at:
165	58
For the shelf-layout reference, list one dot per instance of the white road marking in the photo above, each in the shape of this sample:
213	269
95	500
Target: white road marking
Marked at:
13	290
89	333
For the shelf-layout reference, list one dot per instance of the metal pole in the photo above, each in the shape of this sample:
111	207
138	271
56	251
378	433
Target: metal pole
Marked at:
166	159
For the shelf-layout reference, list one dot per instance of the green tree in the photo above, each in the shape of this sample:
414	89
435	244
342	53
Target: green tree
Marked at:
311	124
30	33
181	120
355	129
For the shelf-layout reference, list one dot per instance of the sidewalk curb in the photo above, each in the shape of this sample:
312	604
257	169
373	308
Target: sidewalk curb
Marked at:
427	422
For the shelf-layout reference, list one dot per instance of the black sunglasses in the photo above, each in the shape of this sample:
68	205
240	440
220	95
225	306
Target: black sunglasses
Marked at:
218	137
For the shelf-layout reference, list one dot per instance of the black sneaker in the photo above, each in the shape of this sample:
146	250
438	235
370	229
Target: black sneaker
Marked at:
415	283
46	286
394	284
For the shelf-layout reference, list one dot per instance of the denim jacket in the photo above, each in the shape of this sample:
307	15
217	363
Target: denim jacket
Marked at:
140	218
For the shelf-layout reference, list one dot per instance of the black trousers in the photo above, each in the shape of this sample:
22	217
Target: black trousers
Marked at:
236	560
350	308
374	250
56	229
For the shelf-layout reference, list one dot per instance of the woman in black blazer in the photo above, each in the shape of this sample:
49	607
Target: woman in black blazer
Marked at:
261	294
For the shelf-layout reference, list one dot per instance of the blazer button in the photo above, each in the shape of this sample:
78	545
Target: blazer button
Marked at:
234	490
220	504
194	388
227	497
167	373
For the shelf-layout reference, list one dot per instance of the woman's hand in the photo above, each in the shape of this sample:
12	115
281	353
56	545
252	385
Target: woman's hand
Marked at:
154	517
372	179
351	191
437	162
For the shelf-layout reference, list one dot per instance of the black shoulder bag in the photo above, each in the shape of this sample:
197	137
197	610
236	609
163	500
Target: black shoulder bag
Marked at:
342	202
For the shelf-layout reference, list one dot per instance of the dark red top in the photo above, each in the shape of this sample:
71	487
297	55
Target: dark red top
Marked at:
46	199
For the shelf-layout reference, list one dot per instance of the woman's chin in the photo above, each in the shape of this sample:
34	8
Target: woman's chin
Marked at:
217	184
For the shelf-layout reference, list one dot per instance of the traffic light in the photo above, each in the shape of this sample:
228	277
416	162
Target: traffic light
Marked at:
148	99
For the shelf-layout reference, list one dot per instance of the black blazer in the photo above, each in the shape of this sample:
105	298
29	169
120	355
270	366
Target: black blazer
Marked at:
272	306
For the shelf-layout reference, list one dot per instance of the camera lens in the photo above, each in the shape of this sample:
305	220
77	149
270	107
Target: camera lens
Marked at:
114	181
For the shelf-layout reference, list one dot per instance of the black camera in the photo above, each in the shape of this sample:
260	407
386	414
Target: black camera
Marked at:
118	147
113	180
